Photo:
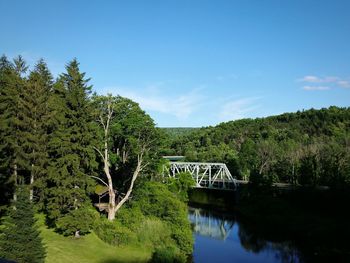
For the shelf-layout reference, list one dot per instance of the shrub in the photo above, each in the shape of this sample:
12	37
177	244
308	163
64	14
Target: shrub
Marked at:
167	255
114	233
131	217
155	200
181	185
79	221
154	232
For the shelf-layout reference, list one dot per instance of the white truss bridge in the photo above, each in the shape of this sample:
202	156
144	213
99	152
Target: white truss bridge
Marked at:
206	175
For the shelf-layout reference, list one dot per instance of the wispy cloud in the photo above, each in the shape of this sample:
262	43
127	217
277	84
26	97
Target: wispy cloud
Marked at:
330	81
344	83
152	98
238	109
316	88
316	79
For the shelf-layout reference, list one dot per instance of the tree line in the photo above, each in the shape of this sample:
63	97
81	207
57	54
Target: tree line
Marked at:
310	147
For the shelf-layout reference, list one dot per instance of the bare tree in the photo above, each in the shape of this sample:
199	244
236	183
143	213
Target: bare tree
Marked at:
105	118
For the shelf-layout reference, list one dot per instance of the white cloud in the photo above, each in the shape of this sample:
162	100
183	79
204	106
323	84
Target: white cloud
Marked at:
153	99
316	88
310	79
238	109
316	79
344	83
332	82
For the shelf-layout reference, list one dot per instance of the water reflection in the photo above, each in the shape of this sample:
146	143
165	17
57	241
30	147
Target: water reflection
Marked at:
222	237
208	224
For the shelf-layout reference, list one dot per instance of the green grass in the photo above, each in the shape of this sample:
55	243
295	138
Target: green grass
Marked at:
87	249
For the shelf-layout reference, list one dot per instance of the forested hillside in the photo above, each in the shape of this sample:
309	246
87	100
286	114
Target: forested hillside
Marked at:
309	147
179	131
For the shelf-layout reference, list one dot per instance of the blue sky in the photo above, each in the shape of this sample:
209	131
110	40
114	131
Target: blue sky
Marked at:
193	63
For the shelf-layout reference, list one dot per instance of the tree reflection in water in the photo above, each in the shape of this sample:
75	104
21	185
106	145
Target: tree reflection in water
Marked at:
220	227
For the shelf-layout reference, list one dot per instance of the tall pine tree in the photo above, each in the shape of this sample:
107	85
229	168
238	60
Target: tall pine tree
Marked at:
72	157
34	115
11	86
6	152
20	239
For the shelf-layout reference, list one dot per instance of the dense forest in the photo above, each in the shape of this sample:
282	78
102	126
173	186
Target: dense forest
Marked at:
178	132
61	148
310	147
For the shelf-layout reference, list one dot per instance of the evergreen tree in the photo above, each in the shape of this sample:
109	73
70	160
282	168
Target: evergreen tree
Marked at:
72	157
11	85
20	239
34	115
6	70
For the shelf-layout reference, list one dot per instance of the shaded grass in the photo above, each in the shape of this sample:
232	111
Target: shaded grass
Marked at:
87	249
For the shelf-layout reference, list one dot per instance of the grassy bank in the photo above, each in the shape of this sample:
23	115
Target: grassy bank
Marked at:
87	249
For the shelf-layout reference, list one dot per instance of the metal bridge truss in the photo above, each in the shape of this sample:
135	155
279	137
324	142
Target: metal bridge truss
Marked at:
206	175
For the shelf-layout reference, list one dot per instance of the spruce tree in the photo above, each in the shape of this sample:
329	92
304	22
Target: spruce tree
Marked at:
72	157
5	152
34	115
20	239
11	85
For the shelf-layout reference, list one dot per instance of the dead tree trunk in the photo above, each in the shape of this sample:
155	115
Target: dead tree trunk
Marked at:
105	122
133	179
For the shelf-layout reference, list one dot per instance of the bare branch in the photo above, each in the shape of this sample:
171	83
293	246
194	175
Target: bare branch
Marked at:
103	158
98	178
102	122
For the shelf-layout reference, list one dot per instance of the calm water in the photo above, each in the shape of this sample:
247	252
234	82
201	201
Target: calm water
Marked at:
221	237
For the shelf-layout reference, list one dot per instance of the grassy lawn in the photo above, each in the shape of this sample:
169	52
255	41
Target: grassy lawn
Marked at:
87	249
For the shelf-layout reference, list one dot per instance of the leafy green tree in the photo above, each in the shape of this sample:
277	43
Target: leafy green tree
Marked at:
20	239
127	136
181	185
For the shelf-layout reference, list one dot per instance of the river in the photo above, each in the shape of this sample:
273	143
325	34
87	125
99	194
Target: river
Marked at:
221	237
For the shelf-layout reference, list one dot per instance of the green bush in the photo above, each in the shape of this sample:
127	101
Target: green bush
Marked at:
131	217
181	185
167	255
77	221
155	200
154	232
114	233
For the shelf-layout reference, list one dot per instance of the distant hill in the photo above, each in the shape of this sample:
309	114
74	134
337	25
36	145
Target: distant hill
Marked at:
179	131
305	147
